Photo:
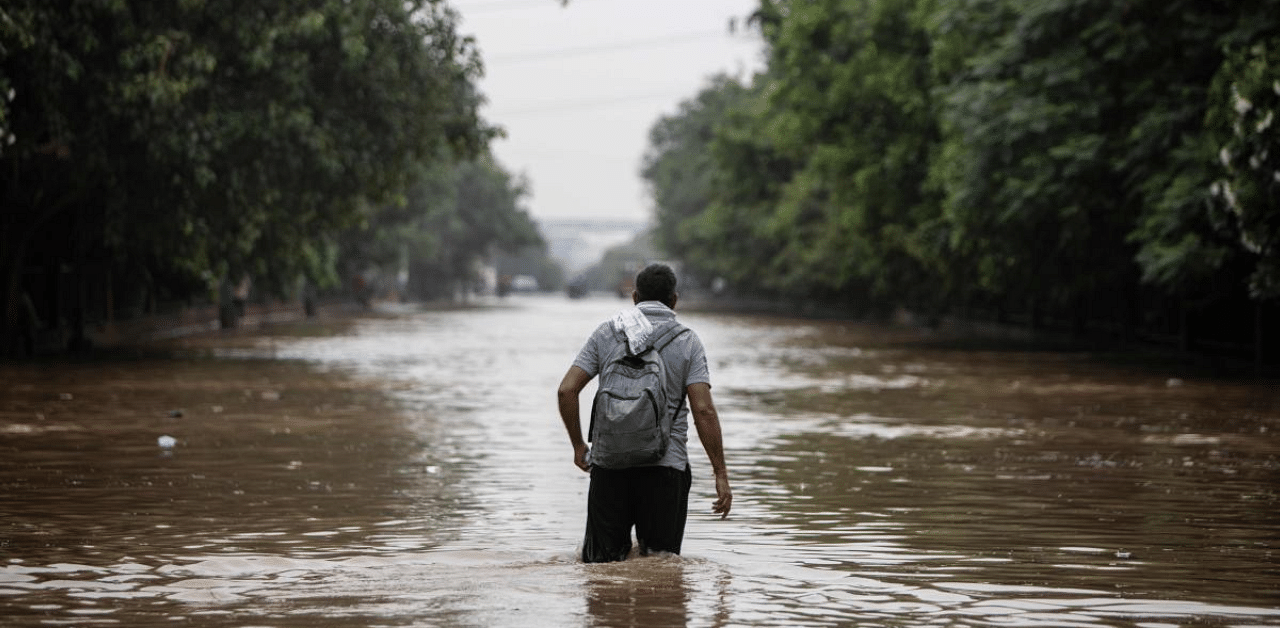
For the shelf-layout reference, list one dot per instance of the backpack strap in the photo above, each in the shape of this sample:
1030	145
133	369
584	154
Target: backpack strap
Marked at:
667	337
673	331
669	333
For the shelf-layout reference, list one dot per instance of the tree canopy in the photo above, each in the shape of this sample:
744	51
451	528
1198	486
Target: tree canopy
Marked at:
200	140
1080	161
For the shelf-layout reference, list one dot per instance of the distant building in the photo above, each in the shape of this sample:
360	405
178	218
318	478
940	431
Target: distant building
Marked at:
577	244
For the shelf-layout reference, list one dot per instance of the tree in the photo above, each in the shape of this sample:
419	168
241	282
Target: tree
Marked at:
850	106
1078	162
678	164
1065	132
480	214
204	139
1246	195
811	185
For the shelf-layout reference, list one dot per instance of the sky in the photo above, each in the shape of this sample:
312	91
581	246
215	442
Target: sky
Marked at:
577	87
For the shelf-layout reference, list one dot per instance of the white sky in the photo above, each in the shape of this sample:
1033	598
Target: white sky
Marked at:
577	87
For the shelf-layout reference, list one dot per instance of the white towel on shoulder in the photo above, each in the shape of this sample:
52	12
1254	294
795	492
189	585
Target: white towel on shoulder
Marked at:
635	325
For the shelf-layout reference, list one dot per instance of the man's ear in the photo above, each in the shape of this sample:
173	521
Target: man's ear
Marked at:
675	297
635	296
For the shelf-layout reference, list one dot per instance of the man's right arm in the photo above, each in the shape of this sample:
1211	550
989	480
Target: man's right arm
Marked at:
567	399
707	422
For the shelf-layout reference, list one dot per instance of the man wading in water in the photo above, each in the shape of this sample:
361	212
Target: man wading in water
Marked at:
653	494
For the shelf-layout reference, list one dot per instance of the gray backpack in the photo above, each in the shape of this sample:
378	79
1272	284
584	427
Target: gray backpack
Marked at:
629	422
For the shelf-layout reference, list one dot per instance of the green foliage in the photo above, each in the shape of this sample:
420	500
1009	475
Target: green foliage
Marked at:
851	108
213	124
810	182
454	216
1029	134
1246	197
678	164
210	138
532	261
1066	159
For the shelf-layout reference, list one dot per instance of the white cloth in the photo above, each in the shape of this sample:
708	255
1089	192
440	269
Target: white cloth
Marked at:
635	325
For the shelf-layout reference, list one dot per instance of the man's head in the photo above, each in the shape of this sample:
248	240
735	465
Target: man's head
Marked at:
657	282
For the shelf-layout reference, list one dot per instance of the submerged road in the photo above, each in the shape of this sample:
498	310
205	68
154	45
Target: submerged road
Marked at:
411	470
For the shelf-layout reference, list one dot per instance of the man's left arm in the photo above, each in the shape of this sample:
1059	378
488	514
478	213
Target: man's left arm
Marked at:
707	421
567	398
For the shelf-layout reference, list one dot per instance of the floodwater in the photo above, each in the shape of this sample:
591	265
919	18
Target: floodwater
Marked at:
411	470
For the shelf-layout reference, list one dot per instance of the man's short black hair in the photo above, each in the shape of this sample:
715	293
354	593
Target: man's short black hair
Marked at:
657	282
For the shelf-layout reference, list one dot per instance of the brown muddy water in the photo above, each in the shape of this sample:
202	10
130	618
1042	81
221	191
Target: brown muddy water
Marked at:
411	471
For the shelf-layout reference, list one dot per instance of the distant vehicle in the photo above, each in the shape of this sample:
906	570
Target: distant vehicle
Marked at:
626	285
524	283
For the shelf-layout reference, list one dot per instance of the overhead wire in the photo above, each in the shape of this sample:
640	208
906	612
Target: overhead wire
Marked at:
589	103
655	42
575	51
501	5
494	6
518	57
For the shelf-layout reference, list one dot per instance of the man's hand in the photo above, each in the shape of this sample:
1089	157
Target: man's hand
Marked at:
724	496
580	458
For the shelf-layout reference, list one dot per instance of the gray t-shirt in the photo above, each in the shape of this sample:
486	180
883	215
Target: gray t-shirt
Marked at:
686	364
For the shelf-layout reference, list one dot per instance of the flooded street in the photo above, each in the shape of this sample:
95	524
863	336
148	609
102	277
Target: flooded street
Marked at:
411	470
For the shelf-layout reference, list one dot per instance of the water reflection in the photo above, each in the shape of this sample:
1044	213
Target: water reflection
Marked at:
647	592
412	471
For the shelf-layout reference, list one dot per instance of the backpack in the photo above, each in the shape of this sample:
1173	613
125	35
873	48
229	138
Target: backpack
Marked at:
629	422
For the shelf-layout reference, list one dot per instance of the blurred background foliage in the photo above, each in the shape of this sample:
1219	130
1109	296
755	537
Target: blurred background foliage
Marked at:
168	150
1082	164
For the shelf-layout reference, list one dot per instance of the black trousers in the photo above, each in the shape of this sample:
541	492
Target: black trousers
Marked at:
655	500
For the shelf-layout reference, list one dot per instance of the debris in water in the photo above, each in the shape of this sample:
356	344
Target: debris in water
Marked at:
167	442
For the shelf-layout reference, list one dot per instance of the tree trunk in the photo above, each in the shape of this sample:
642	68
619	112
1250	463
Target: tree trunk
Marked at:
227	315
309	305
1184	327
11	334
16	330
1259	356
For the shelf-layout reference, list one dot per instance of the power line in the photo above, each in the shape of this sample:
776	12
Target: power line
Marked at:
504	5
626	45
556	107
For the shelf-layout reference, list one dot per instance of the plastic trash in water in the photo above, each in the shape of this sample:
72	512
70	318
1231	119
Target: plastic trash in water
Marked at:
166	442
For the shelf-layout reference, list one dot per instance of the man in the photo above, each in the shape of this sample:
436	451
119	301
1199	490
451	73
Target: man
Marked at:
653	498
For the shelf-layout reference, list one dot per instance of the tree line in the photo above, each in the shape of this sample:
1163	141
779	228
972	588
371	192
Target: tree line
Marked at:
156	152
1084	164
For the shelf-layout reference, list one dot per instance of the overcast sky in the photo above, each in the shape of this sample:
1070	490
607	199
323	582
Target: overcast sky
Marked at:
577	87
